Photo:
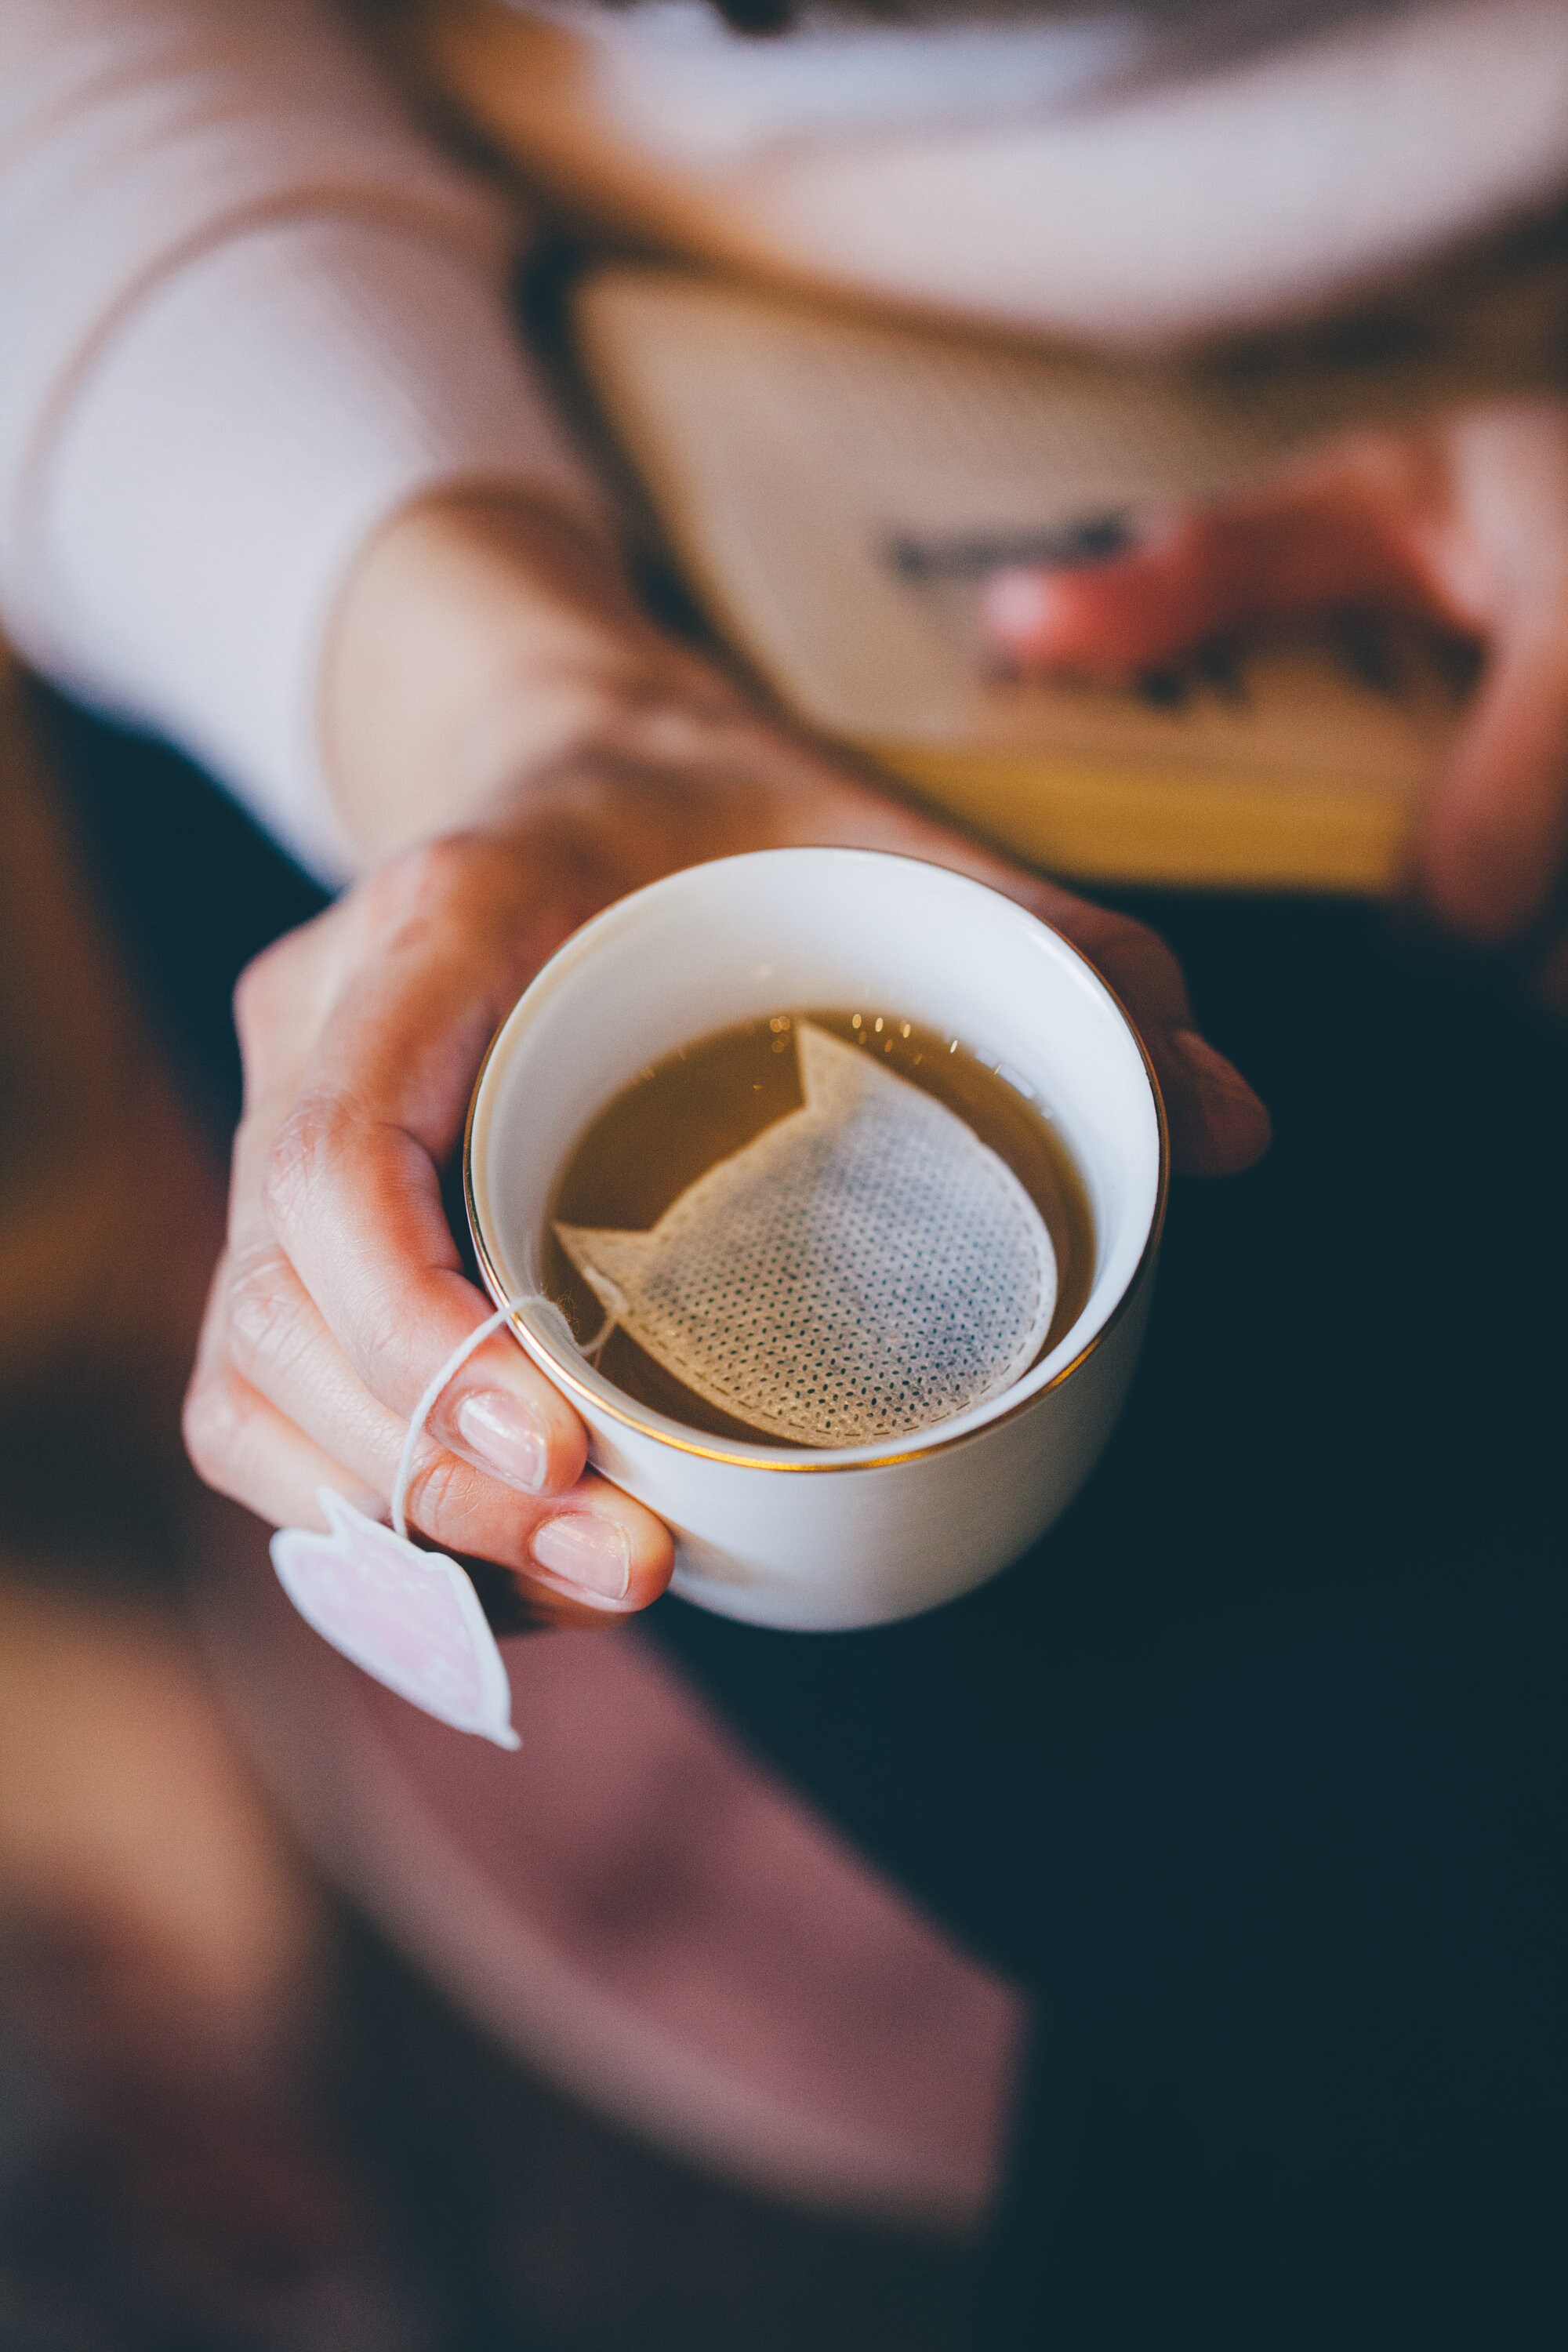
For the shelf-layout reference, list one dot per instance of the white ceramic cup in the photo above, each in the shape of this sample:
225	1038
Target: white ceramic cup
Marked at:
800	1537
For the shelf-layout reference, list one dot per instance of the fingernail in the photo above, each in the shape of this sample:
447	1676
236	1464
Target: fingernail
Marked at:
1211	1069
505	1436
587	1555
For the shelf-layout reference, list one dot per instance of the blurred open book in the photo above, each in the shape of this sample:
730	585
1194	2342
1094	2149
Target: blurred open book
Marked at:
837	487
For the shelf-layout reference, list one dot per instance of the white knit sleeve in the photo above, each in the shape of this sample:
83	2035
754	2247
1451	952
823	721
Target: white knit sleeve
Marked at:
247	314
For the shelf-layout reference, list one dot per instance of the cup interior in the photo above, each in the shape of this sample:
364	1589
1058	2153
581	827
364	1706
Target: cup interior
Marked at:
783	930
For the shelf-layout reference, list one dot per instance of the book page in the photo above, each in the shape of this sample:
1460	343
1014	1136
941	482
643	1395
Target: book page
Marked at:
842	486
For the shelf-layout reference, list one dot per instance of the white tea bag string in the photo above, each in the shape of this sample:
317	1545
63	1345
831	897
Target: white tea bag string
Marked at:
409	1617
449	1370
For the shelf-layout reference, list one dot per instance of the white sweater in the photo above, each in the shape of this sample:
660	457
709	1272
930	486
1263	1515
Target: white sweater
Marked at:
246	315
246	312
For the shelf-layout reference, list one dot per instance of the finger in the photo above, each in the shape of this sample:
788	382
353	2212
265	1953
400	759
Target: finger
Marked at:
592	1550
351	1187
1217	1124
1219	573
1494	840
609	1550
243	1448
499	1412
600	1552
594	1558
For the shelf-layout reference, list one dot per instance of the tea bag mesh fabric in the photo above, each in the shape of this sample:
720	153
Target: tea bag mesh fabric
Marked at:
863	1268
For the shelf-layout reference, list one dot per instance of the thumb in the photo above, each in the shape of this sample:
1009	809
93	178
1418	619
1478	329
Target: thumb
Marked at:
1204	574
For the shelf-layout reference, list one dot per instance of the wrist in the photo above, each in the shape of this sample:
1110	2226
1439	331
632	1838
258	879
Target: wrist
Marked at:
483	639
488	671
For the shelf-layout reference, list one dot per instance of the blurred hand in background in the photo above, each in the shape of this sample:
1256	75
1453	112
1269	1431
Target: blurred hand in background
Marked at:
1462	523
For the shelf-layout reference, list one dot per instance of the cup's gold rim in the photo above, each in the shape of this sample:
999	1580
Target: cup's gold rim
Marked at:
686	1441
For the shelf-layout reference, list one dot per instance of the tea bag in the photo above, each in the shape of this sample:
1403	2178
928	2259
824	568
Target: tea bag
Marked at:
863	1268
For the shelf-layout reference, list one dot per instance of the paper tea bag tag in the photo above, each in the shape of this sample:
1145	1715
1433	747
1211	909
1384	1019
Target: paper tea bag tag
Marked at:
410	1618
863	1268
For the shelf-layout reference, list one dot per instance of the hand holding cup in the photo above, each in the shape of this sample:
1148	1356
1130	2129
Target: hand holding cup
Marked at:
342	1289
